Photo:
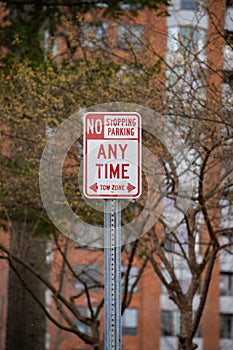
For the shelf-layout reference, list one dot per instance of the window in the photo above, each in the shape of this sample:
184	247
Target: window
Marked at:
226	283
187	78
123	5
130	37
183	40
133	273
169	242
172	217
226	329
228	78
129	6
85	311
168	279
192	38
225	203
229	3
229	38
175	239
227	242
183	275
50	43
129	321
175	231
227	93
189	5
88	275
170	323
93	35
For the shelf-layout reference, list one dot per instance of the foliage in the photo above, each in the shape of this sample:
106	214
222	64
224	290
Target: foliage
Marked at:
30	20
36	100
187	90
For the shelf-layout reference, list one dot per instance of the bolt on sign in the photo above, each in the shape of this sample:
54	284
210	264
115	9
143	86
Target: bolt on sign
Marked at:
112	155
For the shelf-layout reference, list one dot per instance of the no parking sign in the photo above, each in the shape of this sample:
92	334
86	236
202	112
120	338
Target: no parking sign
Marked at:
112	155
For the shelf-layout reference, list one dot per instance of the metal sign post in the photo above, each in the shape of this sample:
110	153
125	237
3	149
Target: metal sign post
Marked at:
112	171
112	275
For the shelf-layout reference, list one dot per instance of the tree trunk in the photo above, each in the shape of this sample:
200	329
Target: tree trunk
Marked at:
185	341
26	323
99	346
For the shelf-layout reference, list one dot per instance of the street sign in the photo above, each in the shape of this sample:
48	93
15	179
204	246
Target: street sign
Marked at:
112	155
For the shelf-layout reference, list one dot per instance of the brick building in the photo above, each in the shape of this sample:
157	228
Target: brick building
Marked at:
152	320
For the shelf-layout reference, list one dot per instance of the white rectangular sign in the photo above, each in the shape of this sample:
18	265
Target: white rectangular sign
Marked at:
112	155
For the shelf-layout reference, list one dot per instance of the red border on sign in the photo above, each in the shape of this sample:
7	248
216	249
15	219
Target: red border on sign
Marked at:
99	135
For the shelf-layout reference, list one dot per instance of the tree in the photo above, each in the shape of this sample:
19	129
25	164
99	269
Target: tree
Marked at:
24	38
32	21
64	311
25	122
188	248
32	330
189	233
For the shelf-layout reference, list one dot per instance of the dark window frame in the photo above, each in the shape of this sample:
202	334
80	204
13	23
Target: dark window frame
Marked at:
93	35
167	326
86	312
127	329
129	36
190	37
89	275
226	326
191	5
227	280
229	3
